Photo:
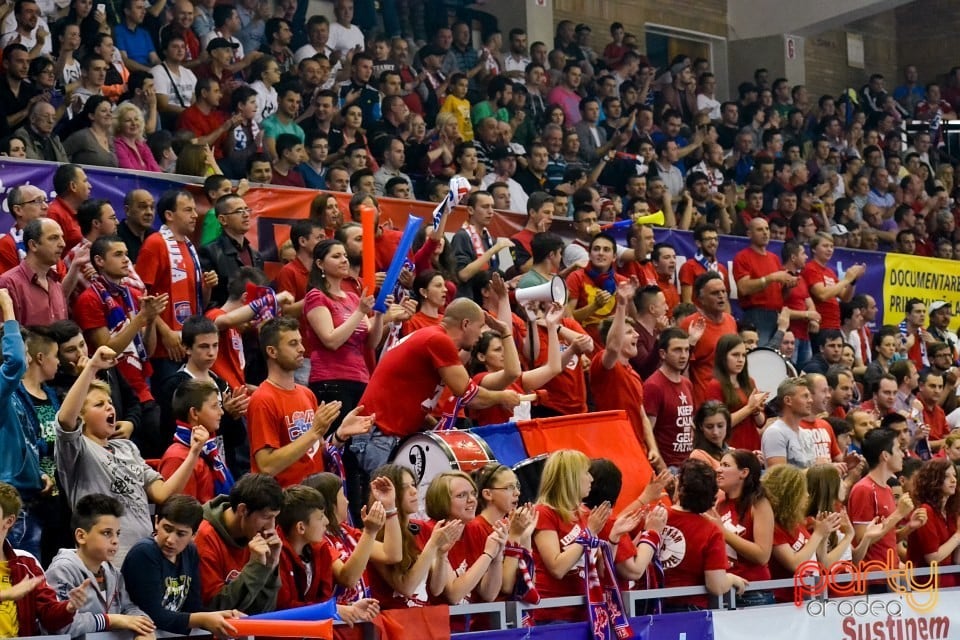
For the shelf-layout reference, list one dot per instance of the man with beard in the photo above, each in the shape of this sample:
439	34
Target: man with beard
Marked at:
707	238
668	398
499	95
287	427
614	383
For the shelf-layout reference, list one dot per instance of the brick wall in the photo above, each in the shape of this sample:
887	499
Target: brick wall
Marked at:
926	32
705	16
826	55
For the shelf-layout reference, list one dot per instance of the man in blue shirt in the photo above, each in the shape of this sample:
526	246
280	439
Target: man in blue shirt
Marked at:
133	41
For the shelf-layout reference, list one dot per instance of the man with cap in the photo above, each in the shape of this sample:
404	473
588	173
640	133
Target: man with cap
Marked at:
504	166
217	66
941	314
840	235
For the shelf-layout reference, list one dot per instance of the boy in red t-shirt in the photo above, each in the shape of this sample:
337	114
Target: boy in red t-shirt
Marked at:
196	405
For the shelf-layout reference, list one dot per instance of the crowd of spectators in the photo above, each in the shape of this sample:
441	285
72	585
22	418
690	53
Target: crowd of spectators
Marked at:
160	337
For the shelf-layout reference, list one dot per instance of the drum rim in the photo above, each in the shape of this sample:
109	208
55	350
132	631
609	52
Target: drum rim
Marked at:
451	457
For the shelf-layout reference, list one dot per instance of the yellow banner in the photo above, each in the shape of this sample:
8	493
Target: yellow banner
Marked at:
929	279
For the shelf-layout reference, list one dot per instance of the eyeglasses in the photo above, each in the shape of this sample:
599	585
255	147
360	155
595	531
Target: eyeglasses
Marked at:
512	488
241	211
39	201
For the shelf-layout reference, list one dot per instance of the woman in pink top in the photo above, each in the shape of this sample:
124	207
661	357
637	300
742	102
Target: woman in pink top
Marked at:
343	328
132	151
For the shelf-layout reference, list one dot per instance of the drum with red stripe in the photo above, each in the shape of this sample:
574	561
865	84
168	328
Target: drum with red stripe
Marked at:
429	454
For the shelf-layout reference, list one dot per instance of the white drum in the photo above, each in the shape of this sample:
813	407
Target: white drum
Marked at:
769	368
431	453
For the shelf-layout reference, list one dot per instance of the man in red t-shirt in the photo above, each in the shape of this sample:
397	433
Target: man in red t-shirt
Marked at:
410	378
705	329
707	239
664	259
287	428
614	383
934	419
293	277
168	264
760	281
840	380
824	440
668	398
539	218
73	188
204	117
120	317
804	317
871	498
825	288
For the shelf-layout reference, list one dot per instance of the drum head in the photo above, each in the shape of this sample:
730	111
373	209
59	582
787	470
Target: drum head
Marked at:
768	369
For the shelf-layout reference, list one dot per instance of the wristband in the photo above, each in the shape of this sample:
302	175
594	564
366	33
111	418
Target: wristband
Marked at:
337	438
471	392
488	554
391	512
106	620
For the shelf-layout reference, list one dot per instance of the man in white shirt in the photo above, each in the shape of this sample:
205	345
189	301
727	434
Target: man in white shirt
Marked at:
174	83
318	37
504	166
29	29
516	61
344	36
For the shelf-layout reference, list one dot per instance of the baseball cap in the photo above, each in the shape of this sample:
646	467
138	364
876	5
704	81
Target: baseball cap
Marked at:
839	230
501	152
221	43
936	306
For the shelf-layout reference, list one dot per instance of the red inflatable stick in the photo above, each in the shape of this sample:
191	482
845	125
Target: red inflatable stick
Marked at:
322	629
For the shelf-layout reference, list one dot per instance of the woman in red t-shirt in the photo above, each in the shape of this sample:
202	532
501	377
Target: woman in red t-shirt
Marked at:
404	584
935	490
354	547
326	211
495	365
498	498
732	385
430	291
692	552
474	565
562	520
793	543
746	519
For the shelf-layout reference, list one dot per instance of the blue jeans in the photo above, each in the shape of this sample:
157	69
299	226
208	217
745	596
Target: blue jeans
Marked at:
361	458
803	352
764	320
25	533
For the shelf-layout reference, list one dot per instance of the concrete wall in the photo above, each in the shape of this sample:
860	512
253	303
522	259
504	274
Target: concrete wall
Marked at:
825	55
760	18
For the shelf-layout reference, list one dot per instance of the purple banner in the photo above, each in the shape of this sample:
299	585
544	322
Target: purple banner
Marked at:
696	624
870	283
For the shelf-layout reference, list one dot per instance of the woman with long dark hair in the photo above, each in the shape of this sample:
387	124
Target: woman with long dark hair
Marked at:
419	574
733	386
430	292
746	519
343	328
711	428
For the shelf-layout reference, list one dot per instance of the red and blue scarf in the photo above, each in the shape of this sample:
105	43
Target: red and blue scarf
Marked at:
222	478
608	618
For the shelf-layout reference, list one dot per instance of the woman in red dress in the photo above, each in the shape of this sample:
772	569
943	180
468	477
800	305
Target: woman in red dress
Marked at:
746	518
733	386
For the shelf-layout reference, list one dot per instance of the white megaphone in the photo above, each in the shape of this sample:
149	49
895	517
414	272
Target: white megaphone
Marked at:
554	290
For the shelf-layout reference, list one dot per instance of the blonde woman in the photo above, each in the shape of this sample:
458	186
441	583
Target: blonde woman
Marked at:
793	542
440	153
562	518
132	151
474	563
